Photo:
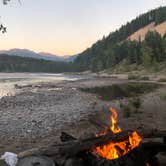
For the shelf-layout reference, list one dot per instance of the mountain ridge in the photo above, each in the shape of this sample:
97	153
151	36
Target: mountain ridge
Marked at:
33	54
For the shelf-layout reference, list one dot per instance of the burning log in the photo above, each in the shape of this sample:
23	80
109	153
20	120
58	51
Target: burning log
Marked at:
123	147
139	156
73	147
60	153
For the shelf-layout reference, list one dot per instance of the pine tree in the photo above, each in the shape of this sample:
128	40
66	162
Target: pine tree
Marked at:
147	54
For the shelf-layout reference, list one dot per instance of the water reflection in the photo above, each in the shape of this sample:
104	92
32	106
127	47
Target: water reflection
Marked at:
6	90
9	80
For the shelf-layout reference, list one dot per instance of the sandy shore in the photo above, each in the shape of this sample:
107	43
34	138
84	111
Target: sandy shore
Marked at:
37	115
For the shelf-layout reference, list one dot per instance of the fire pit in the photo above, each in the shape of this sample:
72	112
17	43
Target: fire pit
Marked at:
114	150
112	147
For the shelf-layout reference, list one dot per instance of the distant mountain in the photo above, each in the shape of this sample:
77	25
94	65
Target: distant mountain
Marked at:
51	57
32	54
21	52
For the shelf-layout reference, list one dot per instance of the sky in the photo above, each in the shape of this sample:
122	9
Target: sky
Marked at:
66	27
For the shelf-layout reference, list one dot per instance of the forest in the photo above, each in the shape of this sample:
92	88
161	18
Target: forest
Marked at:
22	64
111	50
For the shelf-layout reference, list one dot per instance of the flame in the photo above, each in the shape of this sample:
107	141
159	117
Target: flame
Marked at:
114	127
114	150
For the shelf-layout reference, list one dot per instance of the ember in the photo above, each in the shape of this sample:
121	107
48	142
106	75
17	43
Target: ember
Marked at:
114	150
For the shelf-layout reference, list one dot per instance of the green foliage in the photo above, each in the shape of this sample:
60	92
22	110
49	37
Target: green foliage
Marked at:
132	106
162	80
133	77
112	50
146	55
22	64
137	77
120	91
145	78
163	96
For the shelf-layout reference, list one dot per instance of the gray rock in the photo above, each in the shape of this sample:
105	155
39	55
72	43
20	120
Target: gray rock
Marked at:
36	161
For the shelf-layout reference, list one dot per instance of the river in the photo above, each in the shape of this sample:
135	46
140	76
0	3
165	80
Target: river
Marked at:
9	80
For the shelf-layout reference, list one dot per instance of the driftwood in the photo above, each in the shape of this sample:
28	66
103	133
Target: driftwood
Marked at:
60	152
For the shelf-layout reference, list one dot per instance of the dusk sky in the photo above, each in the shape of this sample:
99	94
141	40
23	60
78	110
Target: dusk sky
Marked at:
66	27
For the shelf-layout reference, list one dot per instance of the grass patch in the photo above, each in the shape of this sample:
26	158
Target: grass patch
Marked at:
130	107
122	90
133	77
137	77
162	80
145	78
163	96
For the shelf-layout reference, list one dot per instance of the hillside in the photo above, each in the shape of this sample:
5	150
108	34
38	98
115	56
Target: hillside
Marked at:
141	33
114	48
24	64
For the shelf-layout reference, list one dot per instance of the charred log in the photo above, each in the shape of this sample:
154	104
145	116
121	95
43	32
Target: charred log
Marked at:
145	153
80	149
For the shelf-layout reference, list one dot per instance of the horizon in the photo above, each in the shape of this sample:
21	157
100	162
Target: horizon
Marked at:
52	32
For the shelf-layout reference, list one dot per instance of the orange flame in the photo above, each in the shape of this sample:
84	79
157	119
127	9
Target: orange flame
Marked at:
114	127
114	150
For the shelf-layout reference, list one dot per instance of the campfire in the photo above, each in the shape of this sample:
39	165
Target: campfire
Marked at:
114	150
113	147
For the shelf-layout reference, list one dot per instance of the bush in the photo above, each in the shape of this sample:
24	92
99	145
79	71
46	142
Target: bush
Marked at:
137	77
162	80
122	90
163	96
133	77
146	78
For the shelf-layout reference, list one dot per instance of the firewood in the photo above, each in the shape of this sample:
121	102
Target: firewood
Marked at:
71	148
60	152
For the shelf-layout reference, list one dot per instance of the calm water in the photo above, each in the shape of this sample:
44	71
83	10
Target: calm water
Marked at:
8	80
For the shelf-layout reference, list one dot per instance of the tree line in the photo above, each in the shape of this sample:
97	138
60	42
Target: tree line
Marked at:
113	49
23	64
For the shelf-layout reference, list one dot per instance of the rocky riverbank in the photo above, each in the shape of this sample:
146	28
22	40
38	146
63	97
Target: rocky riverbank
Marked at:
38	113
